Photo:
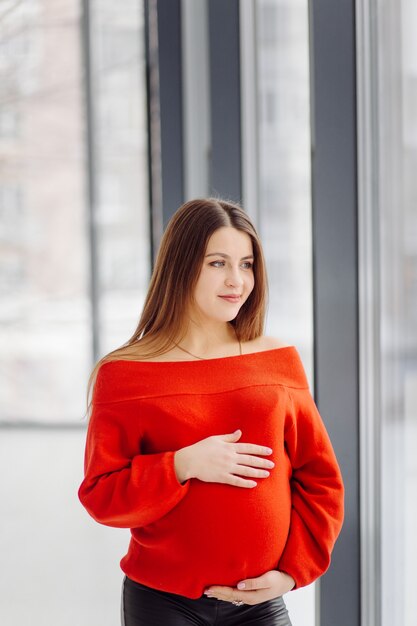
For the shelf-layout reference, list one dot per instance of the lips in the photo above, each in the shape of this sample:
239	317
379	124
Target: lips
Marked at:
230	298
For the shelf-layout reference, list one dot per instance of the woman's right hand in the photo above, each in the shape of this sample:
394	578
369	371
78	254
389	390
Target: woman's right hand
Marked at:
218	459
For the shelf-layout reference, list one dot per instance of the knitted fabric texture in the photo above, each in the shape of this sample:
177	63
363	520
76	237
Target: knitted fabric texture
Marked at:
186	537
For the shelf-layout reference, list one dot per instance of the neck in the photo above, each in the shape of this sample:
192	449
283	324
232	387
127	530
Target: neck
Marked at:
201	343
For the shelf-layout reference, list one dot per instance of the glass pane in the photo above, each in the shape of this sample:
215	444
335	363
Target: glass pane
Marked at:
120	172
284	166
284	222
44	302
45	321
397	63
45	308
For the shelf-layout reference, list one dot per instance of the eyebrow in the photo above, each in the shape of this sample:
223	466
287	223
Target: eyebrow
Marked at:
226	256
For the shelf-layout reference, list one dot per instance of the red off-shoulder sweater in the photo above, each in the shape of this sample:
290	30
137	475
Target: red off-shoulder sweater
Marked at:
186	537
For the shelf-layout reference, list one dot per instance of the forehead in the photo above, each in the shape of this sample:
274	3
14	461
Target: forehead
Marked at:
227	239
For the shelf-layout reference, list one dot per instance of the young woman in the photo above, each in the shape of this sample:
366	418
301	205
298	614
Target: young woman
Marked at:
205	440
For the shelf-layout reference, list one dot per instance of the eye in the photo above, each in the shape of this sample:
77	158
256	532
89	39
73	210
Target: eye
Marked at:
247	265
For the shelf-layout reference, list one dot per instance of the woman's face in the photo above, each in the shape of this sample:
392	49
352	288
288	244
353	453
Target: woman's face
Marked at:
227	270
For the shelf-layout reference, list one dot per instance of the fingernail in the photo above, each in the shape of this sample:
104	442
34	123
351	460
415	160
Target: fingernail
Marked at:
208	593
241	585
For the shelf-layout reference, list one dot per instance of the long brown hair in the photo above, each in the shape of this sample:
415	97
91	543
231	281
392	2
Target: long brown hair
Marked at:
175	275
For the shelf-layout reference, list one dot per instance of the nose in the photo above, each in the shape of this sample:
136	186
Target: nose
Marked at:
233	278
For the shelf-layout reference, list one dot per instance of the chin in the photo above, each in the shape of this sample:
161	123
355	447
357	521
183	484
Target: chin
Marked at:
224	319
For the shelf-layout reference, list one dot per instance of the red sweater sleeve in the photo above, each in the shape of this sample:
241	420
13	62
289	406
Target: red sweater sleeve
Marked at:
122	488
317	492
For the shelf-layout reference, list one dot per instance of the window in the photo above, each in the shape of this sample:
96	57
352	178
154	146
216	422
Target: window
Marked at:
47	278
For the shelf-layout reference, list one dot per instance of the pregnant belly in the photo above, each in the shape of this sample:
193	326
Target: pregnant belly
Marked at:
225	528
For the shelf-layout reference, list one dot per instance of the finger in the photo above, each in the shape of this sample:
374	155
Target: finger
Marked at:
253	597
252	448
231	437
250	584
236	481
255	461
248	597
217	590
244	470
223	593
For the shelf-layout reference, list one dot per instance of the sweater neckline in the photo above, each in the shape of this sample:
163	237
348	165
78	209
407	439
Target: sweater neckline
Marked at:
214	359
117	381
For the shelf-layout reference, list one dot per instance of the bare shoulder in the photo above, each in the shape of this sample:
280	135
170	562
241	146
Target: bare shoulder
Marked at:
264	342
270	343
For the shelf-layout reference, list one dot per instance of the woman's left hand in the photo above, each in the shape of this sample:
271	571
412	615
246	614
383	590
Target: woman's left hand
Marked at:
266	587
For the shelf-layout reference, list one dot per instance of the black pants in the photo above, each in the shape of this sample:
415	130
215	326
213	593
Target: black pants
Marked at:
144	606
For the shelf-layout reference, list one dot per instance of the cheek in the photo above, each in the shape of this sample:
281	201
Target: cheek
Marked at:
250	283
205	286
202	282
